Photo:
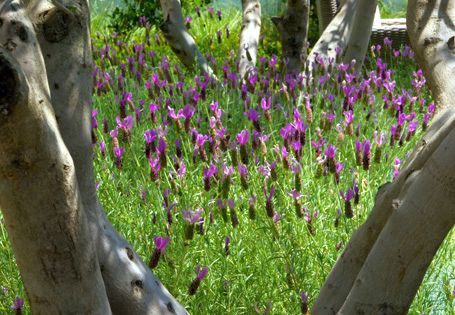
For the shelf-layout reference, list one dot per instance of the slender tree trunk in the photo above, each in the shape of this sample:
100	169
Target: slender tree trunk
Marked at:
336	34
360	35
326	10
293	29
430	27
249	35
180	40
411	216
63	38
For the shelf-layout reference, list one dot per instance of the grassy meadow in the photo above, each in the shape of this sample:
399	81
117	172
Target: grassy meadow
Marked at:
263	182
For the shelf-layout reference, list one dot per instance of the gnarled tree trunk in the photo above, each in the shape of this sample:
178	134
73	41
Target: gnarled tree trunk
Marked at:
385	261
293	29
249	36
70	257
178	37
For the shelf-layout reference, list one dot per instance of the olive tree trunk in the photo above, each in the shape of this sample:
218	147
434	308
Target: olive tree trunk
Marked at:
180	40
70	257
326	10
382	266
360	35
430	27
335	35
293	29
249	36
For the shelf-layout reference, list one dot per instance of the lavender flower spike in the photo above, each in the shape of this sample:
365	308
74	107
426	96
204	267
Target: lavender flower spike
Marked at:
160	246
201	273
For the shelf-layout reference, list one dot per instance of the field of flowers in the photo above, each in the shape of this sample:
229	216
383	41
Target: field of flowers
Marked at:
241	195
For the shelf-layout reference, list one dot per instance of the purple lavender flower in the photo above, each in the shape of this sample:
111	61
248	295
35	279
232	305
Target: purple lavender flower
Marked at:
379	139
118	153
349	117
103	148
161	150
358	152
126	125
243	171
347	202
366	154
276	217
396	168
253	116
94	122
338	168
188	21
191	218
18	305
234	217
226	180
284	157
243	138
268	202
330	152
153	108
188	112
150	136
154	168
201	273
265	105
160	246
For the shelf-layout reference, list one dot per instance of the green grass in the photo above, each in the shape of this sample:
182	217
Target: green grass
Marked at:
267	262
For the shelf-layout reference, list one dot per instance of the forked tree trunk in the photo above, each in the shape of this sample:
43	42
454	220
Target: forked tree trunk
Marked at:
335	35
249	36
39	194
360	35
293	29
385	261
180	40
70	257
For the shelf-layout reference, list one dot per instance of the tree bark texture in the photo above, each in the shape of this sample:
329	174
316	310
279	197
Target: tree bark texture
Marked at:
430	27
249	36
180	40
326	10
107	262
360	34
293	29
336	34
47	227
382	266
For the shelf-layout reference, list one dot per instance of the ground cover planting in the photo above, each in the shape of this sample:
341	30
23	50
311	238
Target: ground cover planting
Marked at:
240	195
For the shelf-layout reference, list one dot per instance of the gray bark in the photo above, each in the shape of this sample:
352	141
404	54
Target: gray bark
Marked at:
412	215
431	32
293	29
47	227
360	35
249	36
336	34
124	283
326	10
180	40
